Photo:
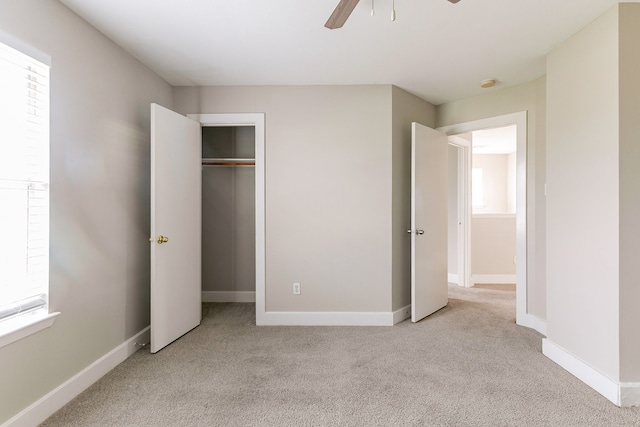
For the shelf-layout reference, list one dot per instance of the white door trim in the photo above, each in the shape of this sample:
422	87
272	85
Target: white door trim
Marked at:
523	317
464	209
258	121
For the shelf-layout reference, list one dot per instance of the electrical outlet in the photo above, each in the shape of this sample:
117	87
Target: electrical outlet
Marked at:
296	288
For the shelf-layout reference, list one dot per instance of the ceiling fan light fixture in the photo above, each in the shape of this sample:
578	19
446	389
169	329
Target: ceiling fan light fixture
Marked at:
345	7
486	84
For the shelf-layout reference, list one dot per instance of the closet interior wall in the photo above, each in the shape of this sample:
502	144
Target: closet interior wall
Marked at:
228	209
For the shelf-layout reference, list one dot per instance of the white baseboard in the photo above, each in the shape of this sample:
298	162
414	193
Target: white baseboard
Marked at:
493	279
453	278
326	318
40	410
231	296
629	394
533	322
621	394
403	314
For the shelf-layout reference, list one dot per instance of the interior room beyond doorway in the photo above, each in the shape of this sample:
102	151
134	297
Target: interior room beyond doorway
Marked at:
492	236
493	204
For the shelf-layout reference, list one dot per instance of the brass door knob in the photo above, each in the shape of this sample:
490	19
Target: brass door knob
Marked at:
162	239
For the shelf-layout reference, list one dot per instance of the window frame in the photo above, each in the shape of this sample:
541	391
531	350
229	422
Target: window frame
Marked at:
477	188
20	326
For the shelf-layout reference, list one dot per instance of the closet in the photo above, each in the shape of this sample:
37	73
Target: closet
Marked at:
228	213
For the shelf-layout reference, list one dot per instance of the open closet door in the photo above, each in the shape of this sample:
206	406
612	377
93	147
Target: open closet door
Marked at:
176	210
429	176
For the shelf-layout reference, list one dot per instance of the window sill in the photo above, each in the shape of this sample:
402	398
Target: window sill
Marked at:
493	215
15	329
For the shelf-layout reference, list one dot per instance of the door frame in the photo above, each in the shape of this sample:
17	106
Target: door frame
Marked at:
257	120
523	317
464	209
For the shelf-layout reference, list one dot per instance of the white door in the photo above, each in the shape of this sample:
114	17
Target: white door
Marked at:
429	207
176	210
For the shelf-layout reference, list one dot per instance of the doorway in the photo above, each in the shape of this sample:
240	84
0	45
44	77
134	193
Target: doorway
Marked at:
520	121
250	126
493	206
228	214
459	211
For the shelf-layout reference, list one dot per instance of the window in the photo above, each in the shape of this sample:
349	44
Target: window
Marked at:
477	188
24	191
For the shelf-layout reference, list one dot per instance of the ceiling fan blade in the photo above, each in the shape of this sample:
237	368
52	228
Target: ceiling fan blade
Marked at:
341	14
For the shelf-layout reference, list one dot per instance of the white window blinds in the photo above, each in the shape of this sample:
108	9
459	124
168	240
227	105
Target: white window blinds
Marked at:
24	182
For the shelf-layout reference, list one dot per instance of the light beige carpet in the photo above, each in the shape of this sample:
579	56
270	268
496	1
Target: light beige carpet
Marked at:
496	286
466	365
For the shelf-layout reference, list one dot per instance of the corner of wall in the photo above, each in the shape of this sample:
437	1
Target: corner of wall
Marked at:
406	108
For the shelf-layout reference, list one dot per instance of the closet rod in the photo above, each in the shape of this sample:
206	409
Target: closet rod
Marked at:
228	162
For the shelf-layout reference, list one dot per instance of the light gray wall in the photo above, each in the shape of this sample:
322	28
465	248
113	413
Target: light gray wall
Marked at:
99	200
228	212
406	108
328	190
530	97
582	195
228	229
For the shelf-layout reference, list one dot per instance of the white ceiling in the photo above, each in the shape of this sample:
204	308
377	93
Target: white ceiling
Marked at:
436	50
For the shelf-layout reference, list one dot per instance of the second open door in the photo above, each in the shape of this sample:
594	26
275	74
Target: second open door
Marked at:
176	209
429	175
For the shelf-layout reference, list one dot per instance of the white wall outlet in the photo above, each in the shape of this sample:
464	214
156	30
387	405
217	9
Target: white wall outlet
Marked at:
296	288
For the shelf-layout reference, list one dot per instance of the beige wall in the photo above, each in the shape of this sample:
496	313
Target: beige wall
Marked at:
592	217
493	245
328	190
406	108
530	97
99	277
582	195
629	195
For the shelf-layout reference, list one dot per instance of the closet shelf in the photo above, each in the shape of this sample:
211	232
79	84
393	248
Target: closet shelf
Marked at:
231	161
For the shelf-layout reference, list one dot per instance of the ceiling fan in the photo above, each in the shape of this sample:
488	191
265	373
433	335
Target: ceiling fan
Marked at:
343	10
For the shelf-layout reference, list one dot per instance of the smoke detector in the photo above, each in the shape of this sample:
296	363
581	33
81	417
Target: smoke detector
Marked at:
486	84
